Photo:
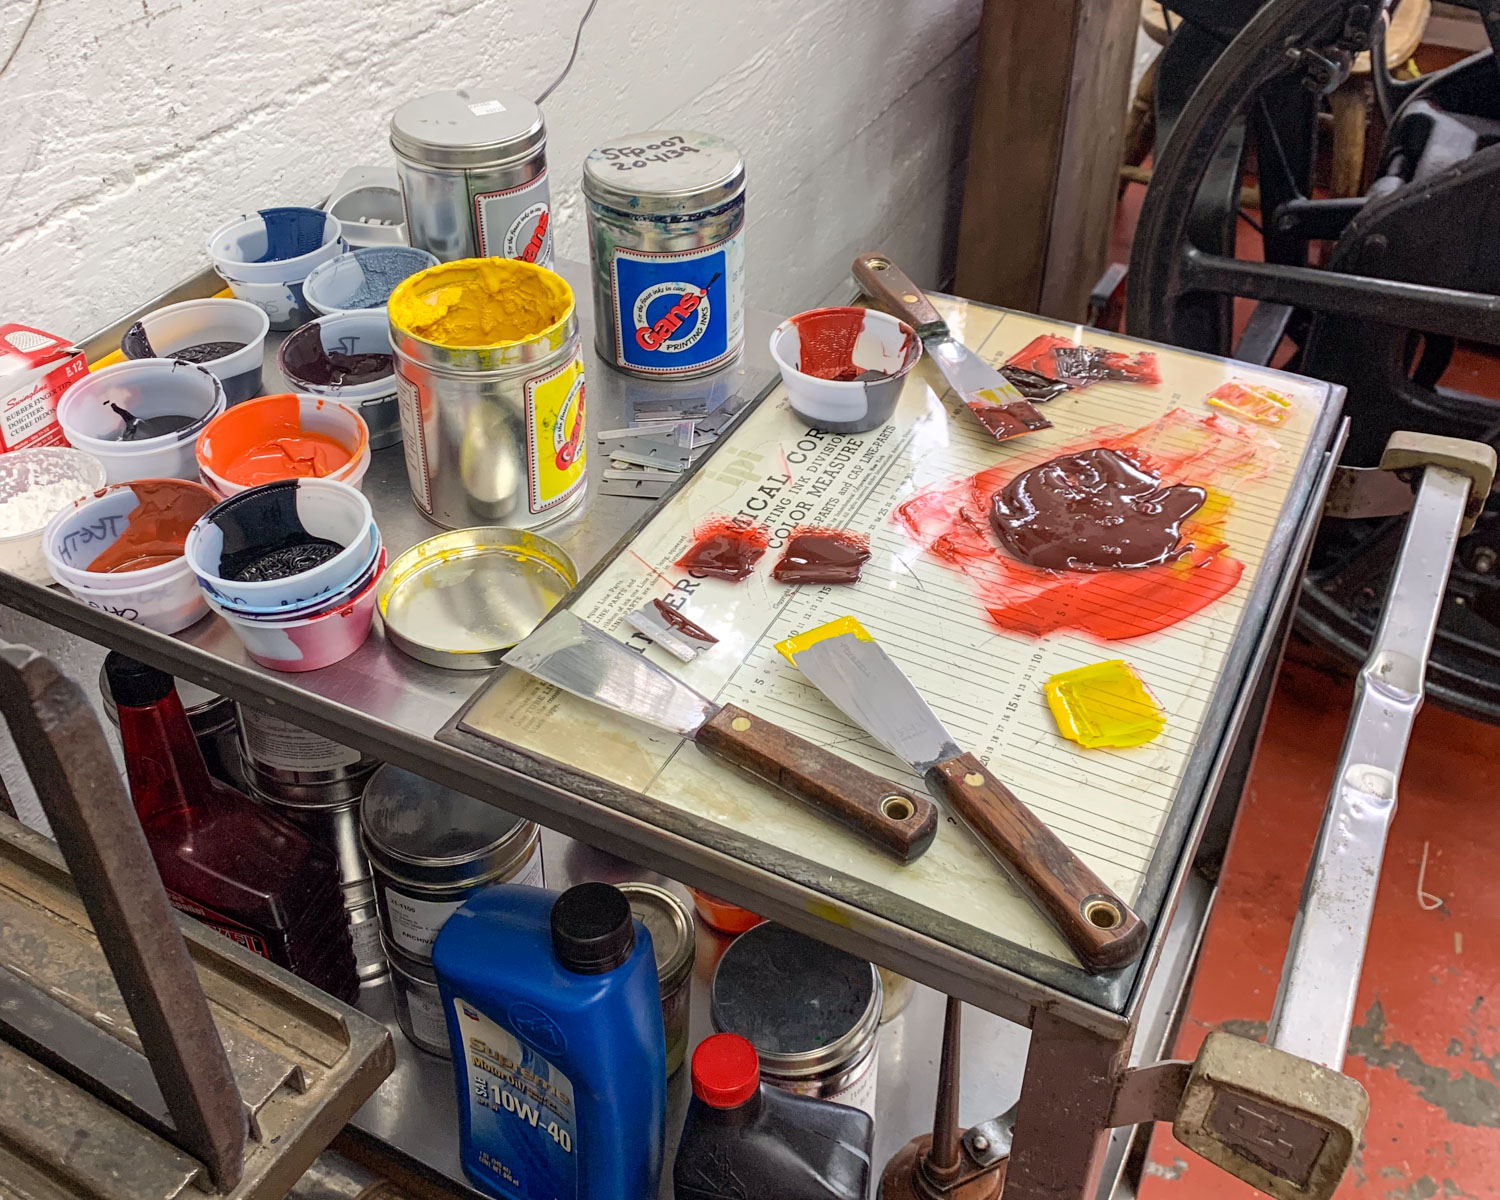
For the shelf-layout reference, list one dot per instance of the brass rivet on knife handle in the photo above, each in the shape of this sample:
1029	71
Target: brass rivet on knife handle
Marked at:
900	822
1096	923
890	287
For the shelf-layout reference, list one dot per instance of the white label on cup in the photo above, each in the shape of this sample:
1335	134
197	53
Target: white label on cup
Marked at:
516	222
486	107
415	923
368	953
274	743
426	1013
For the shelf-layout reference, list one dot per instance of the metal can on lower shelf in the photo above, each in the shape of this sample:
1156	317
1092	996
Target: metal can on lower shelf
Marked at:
294	764
431	848
335	824
666	216
418	1004
811	1012
670	923
473	170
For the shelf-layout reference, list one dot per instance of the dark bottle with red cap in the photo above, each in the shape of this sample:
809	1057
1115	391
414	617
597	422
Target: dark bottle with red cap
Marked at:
223	858
744	1138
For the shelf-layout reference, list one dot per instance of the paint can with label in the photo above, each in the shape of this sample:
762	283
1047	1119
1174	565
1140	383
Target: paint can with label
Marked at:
670	923
473	170
335	823
419	1007
811	1012
432	848
490	384
287	762
666	217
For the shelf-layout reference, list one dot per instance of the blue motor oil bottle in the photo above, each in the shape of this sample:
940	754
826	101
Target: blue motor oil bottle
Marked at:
555	1022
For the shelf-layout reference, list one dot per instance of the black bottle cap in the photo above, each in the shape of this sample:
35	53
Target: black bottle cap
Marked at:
133	684
592	929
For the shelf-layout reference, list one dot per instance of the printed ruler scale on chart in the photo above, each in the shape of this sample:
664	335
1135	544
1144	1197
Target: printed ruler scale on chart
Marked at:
984	682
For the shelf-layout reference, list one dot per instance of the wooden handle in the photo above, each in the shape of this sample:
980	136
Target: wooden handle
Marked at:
1097	924
898	821
890	287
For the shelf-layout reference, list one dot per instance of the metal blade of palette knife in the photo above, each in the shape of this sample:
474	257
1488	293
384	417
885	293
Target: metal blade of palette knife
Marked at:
990	396
874	693
570	653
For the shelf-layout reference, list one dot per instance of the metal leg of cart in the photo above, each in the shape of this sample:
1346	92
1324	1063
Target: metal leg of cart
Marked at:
1280	1114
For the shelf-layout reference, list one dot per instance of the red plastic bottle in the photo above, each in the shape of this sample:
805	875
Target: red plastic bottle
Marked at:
223	858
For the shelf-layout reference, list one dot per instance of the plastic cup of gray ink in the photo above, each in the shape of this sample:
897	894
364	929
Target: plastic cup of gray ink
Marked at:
363	278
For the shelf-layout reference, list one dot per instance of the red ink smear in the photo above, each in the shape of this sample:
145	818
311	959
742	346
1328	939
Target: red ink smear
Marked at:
822	556
826	338
1005	421
952	522
1094	511
1036	388
677	621
725	549
1054	357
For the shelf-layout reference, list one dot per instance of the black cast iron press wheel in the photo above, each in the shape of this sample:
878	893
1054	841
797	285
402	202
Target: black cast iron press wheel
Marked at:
1407	271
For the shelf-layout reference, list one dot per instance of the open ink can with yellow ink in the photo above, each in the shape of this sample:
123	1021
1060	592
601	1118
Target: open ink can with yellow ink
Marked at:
490	383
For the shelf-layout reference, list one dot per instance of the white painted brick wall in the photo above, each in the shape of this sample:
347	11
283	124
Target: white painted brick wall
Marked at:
130	130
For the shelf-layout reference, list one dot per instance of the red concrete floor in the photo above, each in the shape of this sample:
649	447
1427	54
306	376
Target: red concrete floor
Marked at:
1426	1039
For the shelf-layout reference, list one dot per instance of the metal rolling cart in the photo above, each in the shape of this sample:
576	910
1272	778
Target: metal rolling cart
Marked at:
1279	1115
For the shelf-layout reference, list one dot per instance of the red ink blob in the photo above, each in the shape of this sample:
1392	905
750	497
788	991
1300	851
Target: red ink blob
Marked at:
1005	421
826	338
156	528
1053	357
822	556
952	523
1094	511
725	549
677	621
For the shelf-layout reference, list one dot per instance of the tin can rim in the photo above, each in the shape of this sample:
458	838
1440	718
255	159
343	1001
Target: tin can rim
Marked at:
679	964
844	1050
511	148
409	284
634	199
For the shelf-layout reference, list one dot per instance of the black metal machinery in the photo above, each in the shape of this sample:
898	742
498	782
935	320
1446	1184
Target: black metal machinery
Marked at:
1373	292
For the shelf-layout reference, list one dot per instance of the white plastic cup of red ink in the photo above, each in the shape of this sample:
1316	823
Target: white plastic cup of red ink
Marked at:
882	344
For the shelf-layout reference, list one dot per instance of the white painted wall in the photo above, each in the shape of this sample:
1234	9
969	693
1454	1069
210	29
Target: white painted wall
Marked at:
130	130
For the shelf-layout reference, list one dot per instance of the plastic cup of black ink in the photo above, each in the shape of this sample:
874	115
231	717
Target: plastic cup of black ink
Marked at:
226	336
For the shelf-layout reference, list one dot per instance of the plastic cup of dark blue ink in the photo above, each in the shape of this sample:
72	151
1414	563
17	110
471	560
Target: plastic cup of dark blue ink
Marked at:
265	256
363	278
226	336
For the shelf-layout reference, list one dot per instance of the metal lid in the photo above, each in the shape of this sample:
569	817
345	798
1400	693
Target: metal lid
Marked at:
666	172
427	833
670	924
469	127
805	1007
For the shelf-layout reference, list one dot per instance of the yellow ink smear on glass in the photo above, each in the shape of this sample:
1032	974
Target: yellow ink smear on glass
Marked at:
1253	402
1104	704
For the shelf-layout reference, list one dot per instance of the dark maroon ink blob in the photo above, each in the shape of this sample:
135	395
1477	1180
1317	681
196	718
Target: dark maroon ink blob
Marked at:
1092	511
723	549
822	556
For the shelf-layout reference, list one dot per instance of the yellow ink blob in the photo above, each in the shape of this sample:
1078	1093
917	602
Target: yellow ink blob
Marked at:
1104	704
1253	402
481	303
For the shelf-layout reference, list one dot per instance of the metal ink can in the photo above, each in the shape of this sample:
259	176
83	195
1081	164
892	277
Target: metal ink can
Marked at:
493	434
473	170
666	218
432	848
295	765
335	824
419	1006
811	1012
670	923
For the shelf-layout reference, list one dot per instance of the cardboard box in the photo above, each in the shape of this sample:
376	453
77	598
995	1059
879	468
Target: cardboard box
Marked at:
36	368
